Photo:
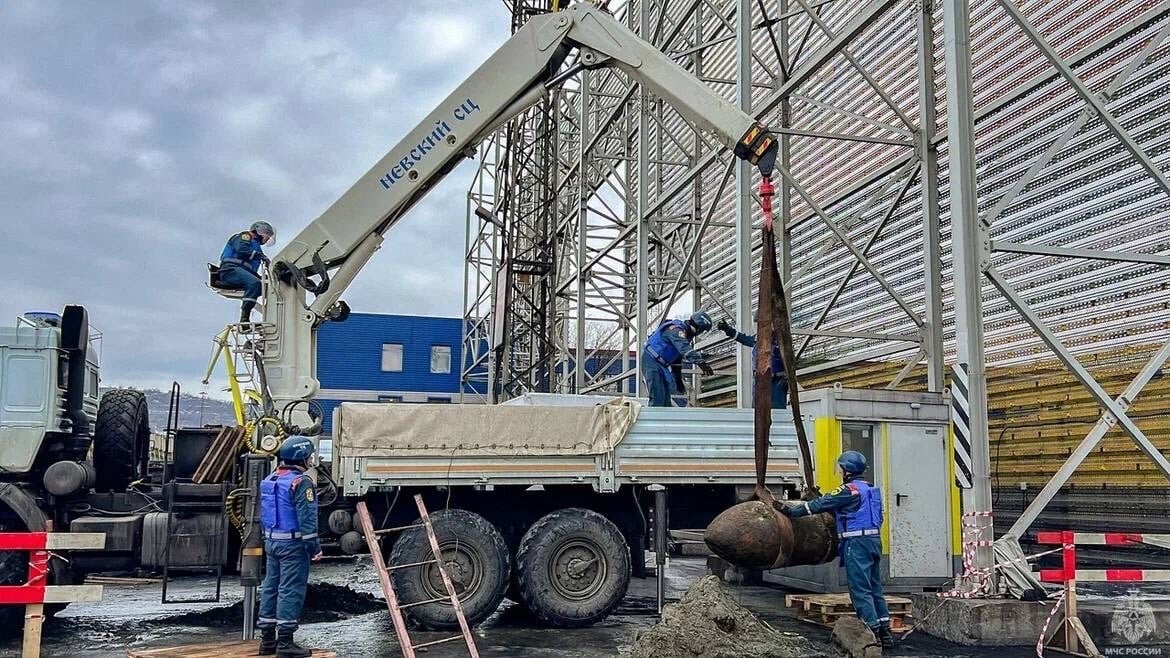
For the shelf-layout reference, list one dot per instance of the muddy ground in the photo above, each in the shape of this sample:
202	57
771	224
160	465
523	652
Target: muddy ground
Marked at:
346	614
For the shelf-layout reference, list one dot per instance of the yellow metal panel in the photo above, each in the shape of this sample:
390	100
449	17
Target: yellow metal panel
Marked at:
884	447
956	530
826	449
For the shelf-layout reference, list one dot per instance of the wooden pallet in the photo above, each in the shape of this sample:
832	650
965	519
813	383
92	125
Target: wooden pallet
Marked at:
826	609
213	650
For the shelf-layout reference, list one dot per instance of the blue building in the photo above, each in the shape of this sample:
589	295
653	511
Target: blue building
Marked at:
374	357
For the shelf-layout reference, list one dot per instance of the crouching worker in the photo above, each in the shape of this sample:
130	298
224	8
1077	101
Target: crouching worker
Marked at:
666	350
288	515
857	508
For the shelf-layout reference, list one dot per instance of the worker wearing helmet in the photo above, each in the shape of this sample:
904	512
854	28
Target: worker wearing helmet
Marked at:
239	264
857	507
288	516
670	346
779	376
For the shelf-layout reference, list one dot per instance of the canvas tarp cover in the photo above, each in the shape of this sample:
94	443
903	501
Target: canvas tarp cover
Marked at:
433	430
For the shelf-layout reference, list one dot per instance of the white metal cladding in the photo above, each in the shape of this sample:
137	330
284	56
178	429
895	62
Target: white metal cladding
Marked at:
696	432
1093	194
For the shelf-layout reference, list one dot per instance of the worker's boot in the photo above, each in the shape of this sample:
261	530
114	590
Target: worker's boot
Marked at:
286	648
246	312
886	636
267	642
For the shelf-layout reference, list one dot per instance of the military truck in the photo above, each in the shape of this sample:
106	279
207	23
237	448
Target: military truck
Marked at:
67	455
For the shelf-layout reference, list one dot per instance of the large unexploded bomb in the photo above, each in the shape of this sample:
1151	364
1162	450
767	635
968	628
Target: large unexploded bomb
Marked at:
755	536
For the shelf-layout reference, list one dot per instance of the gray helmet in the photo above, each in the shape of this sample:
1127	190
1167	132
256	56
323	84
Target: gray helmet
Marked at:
263	228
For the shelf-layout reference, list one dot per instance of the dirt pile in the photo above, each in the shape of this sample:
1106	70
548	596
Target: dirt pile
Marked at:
323	602
708	623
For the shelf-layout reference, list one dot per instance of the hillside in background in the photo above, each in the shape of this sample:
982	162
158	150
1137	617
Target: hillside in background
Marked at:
194	410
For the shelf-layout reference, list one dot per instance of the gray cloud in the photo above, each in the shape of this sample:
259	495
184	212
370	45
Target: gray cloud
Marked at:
136	137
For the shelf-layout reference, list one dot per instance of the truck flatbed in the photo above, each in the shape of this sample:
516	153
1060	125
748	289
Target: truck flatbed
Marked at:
663	446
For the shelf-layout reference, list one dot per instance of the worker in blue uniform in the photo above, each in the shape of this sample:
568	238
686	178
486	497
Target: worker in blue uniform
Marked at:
666	350
239	264
857	508
288	516
779	376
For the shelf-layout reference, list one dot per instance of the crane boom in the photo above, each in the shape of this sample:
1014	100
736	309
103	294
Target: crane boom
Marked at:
338	244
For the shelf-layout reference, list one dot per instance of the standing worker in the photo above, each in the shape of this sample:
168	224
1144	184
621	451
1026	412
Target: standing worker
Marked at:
670	346
779	376
857	507
239	265
288	515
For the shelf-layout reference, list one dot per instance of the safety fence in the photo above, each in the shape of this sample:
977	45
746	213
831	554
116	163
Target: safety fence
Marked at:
1070	636
35	592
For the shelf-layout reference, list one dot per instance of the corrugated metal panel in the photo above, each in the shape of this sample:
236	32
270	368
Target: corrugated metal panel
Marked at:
719	442
1038	412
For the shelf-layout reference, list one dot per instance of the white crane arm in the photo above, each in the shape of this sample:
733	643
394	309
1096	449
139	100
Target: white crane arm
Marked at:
338	244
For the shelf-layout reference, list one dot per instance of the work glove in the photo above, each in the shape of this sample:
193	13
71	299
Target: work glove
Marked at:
313	546
725	328
264	259
705	368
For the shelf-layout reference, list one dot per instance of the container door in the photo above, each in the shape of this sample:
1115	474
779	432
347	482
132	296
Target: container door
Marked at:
917	502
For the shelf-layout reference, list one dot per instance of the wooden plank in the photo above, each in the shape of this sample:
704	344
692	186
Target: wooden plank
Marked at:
73	593
120	580
235	649
34	619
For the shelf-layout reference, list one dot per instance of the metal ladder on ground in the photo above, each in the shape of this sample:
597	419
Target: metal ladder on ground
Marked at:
372	538
175	503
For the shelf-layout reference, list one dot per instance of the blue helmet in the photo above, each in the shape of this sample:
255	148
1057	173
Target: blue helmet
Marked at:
296	449
702	321
852	462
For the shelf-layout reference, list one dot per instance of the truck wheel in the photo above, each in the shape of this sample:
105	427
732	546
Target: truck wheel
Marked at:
121	440
13	571
573	567
475	557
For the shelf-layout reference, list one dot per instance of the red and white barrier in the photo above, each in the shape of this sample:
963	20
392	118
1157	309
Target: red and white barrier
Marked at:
1068	571
1071	635
39	545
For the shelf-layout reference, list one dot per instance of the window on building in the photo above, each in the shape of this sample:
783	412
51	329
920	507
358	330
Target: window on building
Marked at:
437	400
859	437
440	359
389	398
391	357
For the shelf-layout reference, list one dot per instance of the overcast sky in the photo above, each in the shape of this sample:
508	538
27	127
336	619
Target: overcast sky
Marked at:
136	137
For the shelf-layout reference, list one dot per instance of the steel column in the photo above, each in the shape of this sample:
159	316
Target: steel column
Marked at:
969	251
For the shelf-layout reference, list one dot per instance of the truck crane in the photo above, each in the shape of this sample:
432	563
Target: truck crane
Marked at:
493	529
328	254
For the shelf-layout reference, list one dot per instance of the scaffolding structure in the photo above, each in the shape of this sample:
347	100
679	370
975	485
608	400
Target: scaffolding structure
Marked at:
972	182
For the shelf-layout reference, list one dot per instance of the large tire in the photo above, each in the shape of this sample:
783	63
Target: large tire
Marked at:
573	567
475	557
121	439
13	571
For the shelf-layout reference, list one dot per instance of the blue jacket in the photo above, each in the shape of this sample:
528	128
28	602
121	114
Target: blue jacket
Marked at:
288	507
777	361
669	345
243	250
856	505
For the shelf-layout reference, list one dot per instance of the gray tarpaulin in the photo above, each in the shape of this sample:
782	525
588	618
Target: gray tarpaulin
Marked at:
442	430
1015	574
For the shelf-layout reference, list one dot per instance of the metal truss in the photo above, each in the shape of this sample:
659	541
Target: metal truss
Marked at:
1014	207
652	216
